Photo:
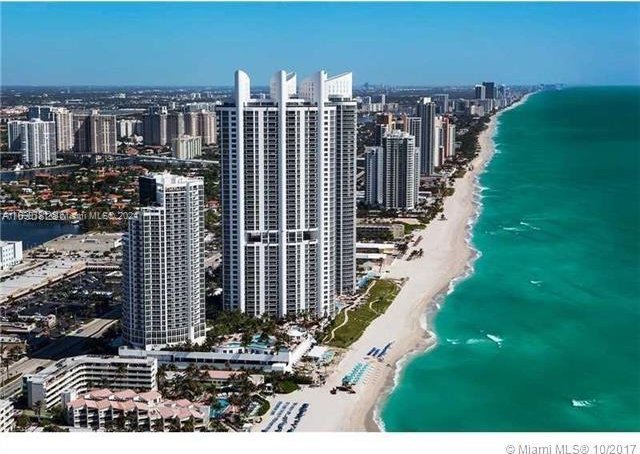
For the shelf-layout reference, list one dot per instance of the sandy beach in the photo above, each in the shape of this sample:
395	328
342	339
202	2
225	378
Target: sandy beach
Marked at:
447	256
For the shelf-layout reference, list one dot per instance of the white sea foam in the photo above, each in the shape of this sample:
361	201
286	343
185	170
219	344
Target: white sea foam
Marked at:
496	339
583	403
512	229
526	224
474	341
536	283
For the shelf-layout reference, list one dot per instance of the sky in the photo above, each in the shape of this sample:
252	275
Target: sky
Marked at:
202	44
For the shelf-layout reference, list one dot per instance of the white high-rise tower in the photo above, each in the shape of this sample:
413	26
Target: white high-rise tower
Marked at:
36	139
287	209
163	264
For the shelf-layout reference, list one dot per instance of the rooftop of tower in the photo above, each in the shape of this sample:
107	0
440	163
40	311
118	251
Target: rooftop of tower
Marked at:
169	179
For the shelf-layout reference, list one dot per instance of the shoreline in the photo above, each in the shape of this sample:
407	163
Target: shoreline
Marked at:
487	145
448	259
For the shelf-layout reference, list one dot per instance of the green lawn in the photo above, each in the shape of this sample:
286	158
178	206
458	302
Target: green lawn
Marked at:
409	228
264	405
380	298
286	387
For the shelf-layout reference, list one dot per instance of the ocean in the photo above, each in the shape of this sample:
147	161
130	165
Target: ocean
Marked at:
545	333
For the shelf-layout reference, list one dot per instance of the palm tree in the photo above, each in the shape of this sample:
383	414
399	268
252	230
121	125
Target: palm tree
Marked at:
174	425
158	425
120	423
40	408
132	422
188	425
161	377
212	390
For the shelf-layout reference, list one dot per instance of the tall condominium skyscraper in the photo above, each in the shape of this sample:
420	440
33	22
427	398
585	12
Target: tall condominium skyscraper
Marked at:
191	123
392	179
36	139
438	155
95	133
63	120
373	176
128	127
207	127
448	139
480	92
426	110
175	126
201	123
163	264
413	126
335	93
64	128
154	126
284	202
489	90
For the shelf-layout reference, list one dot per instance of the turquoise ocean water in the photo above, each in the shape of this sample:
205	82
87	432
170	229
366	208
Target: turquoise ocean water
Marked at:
545	334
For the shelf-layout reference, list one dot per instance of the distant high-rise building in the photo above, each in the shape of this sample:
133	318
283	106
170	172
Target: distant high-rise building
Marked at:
207	127
36	139
14	135
186	147
283	199
201	123
480	92
163	264
95	133
442	103
128	127
154	126
191	123
438	154
413	126
384	123
64	128
449	139
426	110
175	126
489	90
44	113
373	176
393	178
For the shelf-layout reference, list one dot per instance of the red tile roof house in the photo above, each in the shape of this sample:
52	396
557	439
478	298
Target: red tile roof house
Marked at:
102	409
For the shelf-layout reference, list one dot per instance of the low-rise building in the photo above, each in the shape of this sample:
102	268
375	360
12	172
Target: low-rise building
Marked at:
7	421
103	408
12	346
10	254
81	373
231	355
224	377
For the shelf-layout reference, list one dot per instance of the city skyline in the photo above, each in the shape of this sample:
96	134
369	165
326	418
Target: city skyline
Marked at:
557	43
